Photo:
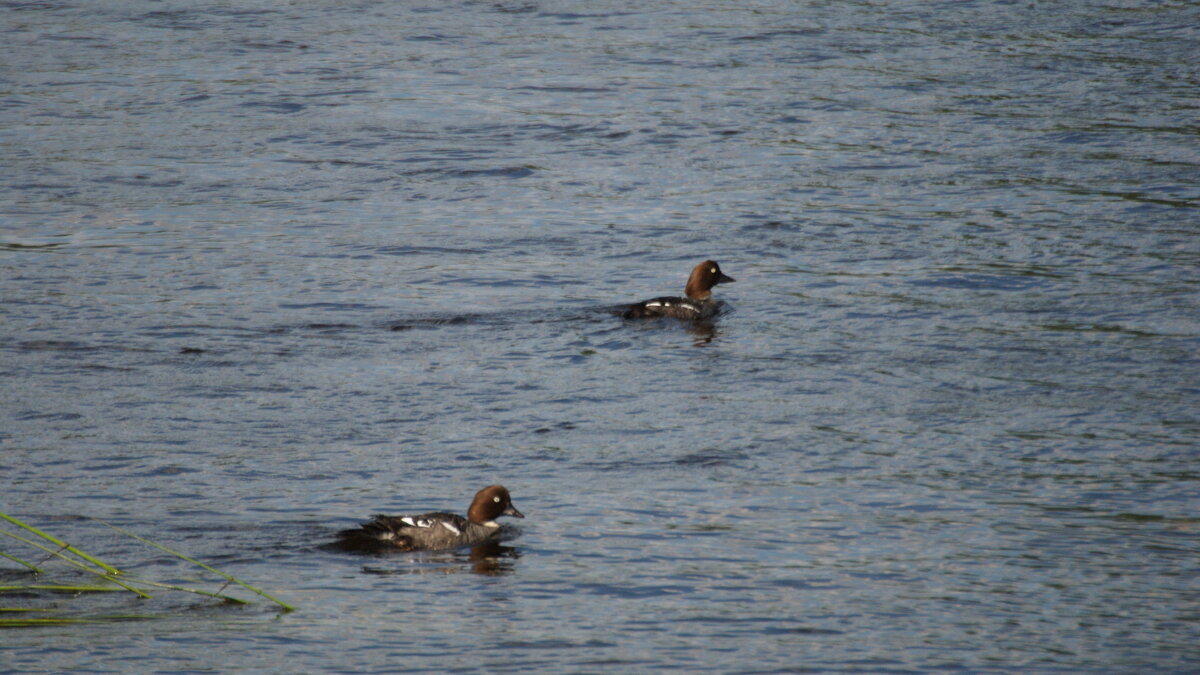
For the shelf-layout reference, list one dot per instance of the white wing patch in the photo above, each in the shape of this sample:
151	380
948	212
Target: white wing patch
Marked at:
450	527
413	521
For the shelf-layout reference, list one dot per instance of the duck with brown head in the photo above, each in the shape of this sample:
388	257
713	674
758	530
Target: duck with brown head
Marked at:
698	305
434	531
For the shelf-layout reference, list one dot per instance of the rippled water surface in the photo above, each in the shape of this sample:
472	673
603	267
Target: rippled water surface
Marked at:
269	268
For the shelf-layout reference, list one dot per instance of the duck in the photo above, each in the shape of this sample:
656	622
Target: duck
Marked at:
697	306
434	531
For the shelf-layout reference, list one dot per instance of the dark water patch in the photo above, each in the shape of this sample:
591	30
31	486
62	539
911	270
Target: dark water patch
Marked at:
173	470
191	330
276	46
18	5
572	17
514	7
566	132
1097	328
781	33
978	282
633	590
140	180
764	623
60	191
328	162
184	20
500	319
339	93
626	464
331	327
554	644
566	89
334	306
711	457
426	250
55	346
74	38
503	172
432	323
1140	518
48	416
282	107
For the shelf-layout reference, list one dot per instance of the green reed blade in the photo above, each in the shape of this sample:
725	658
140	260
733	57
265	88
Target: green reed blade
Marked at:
177	554
59	588
25	622
61	544
76	563
197	591
35	568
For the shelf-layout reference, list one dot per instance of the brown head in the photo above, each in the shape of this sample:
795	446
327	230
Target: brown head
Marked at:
704	276
490	503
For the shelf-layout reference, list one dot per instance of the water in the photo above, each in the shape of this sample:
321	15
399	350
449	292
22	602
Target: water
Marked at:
269	269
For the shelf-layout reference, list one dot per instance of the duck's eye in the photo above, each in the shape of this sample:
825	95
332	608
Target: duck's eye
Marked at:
496	499
713	270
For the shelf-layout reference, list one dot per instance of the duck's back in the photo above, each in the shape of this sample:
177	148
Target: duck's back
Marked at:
674	307
427	531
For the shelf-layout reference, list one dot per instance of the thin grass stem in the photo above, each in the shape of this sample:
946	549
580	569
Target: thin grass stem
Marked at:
35	568
76	563
58	588
219	573
197	591
49	537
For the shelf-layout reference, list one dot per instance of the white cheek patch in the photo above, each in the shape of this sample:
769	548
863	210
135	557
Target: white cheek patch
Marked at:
450	527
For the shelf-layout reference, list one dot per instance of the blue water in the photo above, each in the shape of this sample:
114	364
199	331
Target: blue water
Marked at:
269	269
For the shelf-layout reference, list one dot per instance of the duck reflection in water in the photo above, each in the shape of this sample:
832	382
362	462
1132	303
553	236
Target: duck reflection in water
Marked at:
491	558
703	333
